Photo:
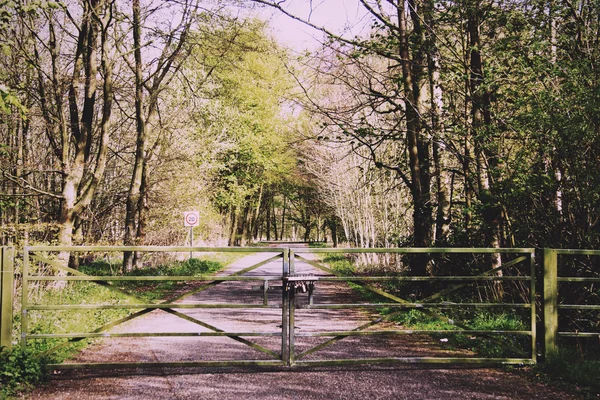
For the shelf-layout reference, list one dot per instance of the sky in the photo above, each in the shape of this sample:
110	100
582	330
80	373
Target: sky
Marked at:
336	15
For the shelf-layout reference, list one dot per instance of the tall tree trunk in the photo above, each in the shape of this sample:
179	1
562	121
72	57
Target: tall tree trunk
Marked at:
133	195
274	222
81	173
255	220
307	227
170	59
442	220
268	219
142	216
234	226
418	146
485	158
246	227
436	103
334	236
282	228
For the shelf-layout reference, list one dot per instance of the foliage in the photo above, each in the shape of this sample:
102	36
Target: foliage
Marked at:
570	366
486	346
500	345
340	263
20	370
217	130
414	319
246	135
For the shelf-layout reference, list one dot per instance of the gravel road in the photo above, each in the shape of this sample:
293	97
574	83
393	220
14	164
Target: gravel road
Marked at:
357	382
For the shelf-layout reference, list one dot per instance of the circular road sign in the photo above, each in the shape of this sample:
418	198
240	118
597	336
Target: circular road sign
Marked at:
191	218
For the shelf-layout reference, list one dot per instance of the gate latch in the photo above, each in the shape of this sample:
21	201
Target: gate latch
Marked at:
301	283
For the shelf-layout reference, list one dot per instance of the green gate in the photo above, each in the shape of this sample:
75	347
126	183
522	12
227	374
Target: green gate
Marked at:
519	270
552	297
41	264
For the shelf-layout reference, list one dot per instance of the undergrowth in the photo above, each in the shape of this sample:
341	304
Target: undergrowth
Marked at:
318	245
20	370
573	368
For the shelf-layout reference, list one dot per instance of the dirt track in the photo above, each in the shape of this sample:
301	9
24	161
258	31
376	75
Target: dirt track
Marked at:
380	382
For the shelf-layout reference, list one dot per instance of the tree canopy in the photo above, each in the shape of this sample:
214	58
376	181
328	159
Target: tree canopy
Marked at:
443	123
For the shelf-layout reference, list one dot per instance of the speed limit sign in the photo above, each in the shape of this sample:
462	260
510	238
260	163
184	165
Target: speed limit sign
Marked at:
191	218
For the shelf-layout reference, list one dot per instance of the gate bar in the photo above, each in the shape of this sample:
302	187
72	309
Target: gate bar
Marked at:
292	305
550	301
285	351
6	295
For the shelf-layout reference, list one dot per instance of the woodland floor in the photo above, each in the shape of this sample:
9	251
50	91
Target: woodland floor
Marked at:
348	382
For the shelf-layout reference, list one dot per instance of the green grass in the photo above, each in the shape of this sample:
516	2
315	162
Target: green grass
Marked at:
495	345
160	290
340	263
414	319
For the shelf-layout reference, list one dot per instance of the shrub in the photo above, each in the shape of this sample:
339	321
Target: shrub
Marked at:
20	370
573	368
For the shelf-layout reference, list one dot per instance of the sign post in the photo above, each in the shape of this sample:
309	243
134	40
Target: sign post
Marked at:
191	219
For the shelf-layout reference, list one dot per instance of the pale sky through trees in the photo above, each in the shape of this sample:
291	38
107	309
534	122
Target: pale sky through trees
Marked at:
336	15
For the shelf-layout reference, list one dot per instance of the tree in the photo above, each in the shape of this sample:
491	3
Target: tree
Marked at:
63	55
173	54
387	75
241	124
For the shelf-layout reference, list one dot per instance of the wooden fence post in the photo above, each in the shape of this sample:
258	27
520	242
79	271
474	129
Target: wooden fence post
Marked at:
6	295
550	301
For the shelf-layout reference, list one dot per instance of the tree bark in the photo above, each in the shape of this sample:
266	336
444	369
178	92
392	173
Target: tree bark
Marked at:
268	219
436	104
133	195
282	228
80	178
485	158
418	146
170	60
